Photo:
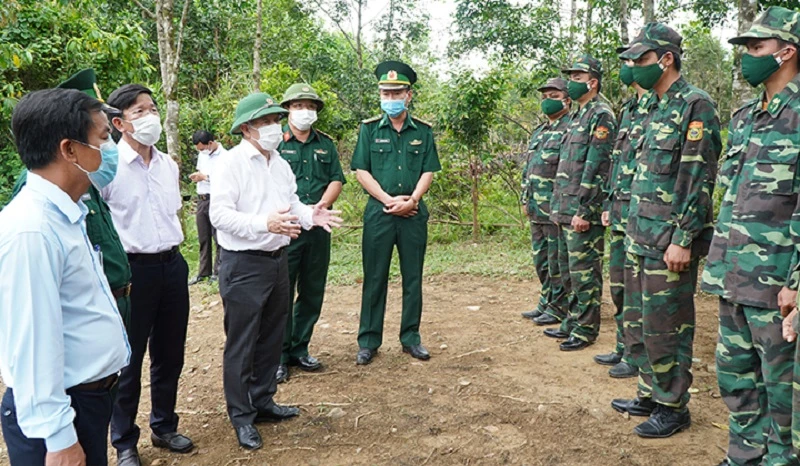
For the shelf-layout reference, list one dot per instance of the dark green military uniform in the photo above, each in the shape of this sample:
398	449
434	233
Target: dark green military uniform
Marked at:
396	160
670	204
537	191
579	189
752	256
315	164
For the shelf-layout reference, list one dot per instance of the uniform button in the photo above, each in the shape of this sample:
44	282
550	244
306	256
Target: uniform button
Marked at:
306	177
305	161
399	167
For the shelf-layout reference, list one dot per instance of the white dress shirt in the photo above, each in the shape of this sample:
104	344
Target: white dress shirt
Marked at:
60	325
246	189
145	201
205	165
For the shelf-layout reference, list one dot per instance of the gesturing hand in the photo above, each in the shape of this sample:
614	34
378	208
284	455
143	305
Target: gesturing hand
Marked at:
325	218
283	223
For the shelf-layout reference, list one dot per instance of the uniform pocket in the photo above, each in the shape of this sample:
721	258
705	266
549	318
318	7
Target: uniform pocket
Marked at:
661	154
293	158
322	167
653	224
414	155
775	170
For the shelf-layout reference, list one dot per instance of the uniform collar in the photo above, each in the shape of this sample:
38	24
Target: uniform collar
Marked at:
75	212
288	135
673	92
129	155
780	99
406	123
216	151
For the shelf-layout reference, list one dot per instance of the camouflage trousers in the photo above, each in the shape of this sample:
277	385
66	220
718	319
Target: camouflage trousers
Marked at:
665	301
754	371
616	278
580	256
544	241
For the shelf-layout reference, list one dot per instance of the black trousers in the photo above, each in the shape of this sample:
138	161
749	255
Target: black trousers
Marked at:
255	295
159	315
205	234
92	413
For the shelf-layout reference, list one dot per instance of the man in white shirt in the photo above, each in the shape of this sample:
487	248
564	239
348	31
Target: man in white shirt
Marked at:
144	199
209	151
256	211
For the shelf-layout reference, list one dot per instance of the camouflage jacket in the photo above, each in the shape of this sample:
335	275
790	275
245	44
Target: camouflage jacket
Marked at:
579	187
623	161
540	169
753	253
676	165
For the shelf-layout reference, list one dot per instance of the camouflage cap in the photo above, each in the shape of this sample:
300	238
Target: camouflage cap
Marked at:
774	23
636	39
559	84
586	63
654	36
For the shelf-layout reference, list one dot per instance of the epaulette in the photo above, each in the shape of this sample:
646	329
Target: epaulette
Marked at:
748	105
287	136
372	120
324	134
421	121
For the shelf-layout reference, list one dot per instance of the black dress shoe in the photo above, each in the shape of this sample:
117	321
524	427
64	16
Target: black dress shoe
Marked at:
248	437
172	441
276	413
197	279
546	319
634	407
129	457
282	374
610	359
555	333
623	370
574	344
214	278
417	351
306	363
532	314
365	356
664	422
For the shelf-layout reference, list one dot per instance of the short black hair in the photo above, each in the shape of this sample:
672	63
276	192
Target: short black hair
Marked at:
202	137
124	96
676	56
42	119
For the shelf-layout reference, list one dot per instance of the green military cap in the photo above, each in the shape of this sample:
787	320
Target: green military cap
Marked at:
636	39
774	23
559	84
653	36
255	106
586	63
394	75
301	91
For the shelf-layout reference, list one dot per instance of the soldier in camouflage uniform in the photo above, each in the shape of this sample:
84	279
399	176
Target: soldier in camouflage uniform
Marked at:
615	216
752	254
578	196
537	189
669	227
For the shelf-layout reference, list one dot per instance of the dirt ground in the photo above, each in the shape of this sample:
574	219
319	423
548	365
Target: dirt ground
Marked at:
496	391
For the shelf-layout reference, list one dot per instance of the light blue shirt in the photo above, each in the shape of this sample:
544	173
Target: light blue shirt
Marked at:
60	325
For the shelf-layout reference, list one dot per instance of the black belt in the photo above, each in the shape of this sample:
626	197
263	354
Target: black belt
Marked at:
103	384
204	197
156	258
123	292
254	252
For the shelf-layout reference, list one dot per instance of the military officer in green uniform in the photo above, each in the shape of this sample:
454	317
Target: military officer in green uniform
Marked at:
537	190
615	216
752	256
99	226
315	163
394	159
669	228
578	197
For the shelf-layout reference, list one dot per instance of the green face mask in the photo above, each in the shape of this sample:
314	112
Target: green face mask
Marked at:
577	90
552	106
647	76
756	70
626	75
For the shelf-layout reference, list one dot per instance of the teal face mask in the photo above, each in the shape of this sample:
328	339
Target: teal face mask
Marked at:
393	108
109	159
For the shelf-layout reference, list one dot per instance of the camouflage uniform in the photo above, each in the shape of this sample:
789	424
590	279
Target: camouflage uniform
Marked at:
537	190
752	256
579	190
670	204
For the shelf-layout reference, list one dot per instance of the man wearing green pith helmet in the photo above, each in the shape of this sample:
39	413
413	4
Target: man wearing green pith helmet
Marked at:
394	159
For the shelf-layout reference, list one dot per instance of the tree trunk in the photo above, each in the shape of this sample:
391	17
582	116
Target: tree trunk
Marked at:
623	21
648	11
741	90
387	41
476	227
359	52
257	48
589	18
573	11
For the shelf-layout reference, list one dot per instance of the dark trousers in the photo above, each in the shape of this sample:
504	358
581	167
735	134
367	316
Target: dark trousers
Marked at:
205	233
92	413
255	296
159	315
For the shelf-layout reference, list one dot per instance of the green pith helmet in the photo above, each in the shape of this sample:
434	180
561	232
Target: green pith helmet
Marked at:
301	91
654	36
255	106
774	23
588	64
395	75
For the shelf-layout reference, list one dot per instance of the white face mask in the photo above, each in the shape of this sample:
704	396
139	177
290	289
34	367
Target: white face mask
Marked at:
269	136
147	129
303	119
205	152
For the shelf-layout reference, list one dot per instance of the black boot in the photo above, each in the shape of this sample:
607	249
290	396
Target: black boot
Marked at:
664	422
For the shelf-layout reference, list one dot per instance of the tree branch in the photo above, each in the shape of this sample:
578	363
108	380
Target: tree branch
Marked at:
179	40
508	118
145	10
338	24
